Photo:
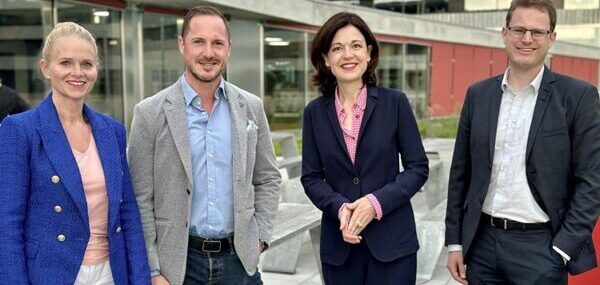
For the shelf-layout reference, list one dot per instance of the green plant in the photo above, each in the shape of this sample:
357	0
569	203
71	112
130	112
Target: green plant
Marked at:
438	127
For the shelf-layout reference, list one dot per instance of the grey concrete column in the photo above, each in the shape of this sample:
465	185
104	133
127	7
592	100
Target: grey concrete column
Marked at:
132	57
245	64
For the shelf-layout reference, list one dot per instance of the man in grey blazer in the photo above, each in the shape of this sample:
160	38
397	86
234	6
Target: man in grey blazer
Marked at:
203	167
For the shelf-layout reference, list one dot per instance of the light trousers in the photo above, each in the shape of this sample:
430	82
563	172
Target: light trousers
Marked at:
95	274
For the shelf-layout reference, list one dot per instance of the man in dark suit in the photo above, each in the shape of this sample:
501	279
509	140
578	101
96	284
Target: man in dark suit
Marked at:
524	190
10	102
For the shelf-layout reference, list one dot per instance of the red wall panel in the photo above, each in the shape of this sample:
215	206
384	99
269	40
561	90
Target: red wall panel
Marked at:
463	76
440	100
568	66
482	65
581	68
456	66
594	73
499	61
556	64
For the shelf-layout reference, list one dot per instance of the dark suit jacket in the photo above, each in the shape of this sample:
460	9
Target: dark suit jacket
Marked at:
562	163
330	179
38	172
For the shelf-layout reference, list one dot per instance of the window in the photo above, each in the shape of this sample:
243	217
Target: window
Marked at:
24	25
285	77
416	73
163	64
389	71
104	24
405	67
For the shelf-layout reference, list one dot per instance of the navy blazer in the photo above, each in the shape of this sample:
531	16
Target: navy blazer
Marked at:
562	163
330	179
38	172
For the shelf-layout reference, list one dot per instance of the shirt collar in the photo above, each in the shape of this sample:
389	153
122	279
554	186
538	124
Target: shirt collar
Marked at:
361	100
189	93
535	83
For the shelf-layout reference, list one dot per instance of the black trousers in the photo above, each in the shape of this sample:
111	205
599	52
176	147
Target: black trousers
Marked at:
517	257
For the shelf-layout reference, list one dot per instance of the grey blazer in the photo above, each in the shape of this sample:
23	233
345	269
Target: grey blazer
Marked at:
161	170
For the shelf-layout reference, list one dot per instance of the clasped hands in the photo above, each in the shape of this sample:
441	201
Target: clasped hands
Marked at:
354	218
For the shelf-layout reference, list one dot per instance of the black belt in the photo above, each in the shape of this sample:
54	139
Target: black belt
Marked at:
508	225
210	245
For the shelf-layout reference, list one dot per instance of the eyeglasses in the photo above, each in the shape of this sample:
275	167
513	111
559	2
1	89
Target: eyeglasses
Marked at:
519	32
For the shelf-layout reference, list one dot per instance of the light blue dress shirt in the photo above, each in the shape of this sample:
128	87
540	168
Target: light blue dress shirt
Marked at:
212	169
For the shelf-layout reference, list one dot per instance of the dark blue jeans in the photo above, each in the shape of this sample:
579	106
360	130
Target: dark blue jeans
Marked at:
222	268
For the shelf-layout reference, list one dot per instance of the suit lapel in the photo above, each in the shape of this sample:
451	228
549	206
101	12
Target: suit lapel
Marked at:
495	94
239	124
371	102
541	105
335	124
110	157
61	156
174	110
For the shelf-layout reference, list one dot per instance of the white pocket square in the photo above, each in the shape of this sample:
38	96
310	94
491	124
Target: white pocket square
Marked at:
251	126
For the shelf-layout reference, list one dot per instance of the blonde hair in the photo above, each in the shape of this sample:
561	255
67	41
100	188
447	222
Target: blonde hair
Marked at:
67	29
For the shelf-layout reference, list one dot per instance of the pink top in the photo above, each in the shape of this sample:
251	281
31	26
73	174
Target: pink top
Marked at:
358	110
351	135
94	186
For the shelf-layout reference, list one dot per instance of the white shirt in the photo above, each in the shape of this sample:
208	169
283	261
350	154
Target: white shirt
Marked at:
509	195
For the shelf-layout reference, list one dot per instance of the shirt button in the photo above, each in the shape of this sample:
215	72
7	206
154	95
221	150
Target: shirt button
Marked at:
210	155
57	209
55	179
355	180
210	179
61	238
211	203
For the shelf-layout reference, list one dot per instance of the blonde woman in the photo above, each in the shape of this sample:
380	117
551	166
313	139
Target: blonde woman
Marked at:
67	208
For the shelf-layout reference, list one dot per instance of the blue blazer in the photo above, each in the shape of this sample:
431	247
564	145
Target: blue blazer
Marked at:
330	179
38	172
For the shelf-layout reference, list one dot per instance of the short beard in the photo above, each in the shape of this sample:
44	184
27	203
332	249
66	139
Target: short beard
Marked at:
205	80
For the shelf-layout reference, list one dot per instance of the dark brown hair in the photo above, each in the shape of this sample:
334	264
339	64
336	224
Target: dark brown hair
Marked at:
322	77
203	11
543	5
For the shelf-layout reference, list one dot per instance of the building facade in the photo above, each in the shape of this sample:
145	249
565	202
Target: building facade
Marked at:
432	61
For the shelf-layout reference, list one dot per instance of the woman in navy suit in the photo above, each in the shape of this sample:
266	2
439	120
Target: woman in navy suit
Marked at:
67	209
352	138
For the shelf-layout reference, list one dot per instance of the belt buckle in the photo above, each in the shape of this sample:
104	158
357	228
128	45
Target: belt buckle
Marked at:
208	244
504	225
